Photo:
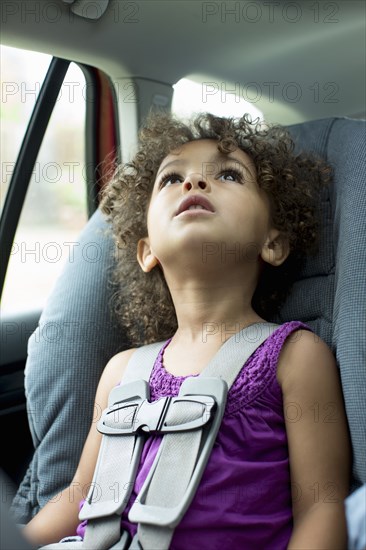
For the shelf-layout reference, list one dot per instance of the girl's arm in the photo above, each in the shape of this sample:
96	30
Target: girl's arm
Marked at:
59	518
319	445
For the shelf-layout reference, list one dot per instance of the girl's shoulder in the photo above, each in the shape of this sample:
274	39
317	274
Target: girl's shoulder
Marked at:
292	335
114	370
288	334
304	354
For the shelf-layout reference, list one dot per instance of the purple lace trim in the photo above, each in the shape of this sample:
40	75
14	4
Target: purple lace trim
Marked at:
257	373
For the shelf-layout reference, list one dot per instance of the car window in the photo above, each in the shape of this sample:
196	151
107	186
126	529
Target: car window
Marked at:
55	208
217	97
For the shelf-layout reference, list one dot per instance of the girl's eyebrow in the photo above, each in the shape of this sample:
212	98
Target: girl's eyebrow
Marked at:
246	166
175	161
214	158
217	156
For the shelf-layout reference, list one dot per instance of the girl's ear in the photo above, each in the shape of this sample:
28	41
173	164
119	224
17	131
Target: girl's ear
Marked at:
145	256
276	248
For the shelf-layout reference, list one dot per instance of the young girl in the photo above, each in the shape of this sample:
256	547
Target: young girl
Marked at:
212	221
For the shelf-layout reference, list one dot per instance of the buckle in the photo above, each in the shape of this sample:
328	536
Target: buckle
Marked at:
162	416
141	512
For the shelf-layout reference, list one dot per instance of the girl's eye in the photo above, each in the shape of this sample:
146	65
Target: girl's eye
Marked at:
170	179
231	175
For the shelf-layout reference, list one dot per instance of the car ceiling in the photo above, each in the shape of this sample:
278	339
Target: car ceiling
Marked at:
310	52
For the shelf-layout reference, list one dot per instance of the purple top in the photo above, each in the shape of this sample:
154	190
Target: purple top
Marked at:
244	498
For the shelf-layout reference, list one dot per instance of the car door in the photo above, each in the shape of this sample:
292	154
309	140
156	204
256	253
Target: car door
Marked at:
54	160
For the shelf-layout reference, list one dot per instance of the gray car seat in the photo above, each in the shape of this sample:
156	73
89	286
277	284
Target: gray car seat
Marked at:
77	334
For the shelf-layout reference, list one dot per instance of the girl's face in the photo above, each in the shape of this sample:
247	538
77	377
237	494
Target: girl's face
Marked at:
205	200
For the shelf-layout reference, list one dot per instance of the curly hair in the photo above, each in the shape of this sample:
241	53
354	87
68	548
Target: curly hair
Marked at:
291	182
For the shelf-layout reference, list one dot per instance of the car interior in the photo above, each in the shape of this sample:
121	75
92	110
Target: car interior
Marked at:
300	64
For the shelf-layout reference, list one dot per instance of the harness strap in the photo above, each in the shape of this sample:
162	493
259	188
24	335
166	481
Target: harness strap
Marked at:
174	465
233	354
141	363
117	461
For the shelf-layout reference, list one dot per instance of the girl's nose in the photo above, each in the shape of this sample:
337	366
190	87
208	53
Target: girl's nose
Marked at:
195	181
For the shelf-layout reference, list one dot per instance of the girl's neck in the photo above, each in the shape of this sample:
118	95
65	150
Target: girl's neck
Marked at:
212	314
205	322
211	299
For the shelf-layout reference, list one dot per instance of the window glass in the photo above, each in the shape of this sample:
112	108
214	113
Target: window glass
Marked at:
55	208
219	98
20	85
